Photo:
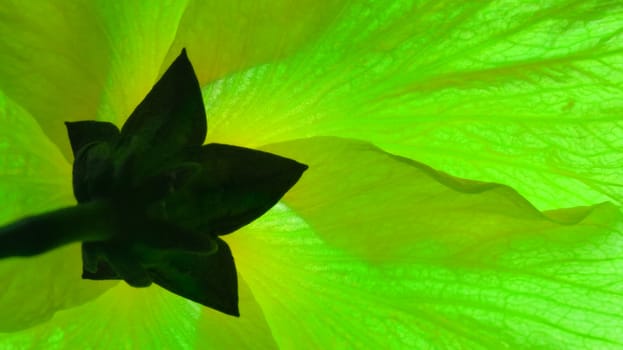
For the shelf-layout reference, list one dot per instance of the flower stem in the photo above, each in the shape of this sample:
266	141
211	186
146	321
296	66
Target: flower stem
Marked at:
40	233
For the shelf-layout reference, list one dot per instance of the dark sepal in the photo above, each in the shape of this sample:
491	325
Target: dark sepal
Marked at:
154	240
236	186
145	243
168	180
169	120
92	173
112	260
94	267
84	132
210	280
91	143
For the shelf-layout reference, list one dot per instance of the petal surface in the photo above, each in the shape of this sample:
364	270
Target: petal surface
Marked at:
53	62
499	90
97	59
82	60
139	34
34	178
390	199
527	96
146	318
223	37
249	331
442	267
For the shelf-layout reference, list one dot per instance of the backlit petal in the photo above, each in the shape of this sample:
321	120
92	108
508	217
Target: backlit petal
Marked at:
376	251
146	318
527	95
34	178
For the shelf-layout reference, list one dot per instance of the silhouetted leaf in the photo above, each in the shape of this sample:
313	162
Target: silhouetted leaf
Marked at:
84	132
91	142
170	119
93	267
236	186
125	263
167	181
210	280
151	242
93	172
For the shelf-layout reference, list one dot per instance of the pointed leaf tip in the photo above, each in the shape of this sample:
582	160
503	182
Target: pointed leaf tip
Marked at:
84	132
210	280
236	186
169	120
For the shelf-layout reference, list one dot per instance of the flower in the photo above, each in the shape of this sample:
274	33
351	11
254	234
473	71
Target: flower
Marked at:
376	247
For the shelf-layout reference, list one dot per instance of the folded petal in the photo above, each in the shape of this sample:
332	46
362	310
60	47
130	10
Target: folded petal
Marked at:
34	178
388	199
371	250
500	90
146	318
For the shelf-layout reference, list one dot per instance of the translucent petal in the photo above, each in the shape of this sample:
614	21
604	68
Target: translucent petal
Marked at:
353	184
54	60
226	36
249	331
98	59
34	178
145	318
454	264
66	61
500	90
139	34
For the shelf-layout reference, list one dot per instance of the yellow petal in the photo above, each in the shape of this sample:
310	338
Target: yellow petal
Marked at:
504	91
34	178
353	186
226	36
376	251
146	318
67	61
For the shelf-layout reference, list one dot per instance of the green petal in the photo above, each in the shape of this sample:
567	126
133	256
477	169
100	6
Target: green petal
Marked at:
503	91
449	263
97	59
226	36
249	331
36	288
139	35
355	184
145	318
53	61
35	178
82	60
